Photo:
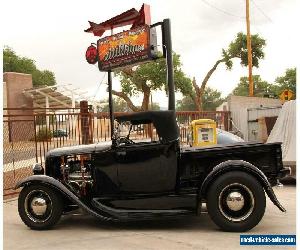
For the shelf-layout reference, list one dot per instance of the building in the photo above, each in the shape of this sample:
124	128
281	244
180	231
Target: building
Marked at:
247	111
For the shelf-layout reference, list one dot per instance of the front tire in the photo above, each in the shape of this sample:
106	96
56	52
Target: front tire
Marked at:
236	201
40	207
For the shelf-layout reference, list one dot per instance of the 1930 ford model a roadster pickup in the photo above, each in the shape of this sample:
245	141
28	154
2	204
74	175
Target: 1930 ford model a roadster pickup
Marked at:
123	180
127	180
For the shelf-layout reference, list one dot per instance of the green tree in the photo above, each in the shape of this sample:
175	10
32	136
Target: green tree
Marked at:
211	100
236	49
15	63
119	105
287	81
261	88
149	77
155	106
186	104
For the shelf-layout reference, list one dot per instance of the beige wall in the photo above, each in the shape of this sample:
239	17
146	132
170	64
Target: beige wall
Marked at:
15	84
5	125
238	102
4	97
21	125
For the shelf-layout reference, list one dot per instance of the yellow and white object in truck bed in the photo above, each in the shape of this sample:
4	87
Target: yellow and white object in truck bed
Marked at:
204	132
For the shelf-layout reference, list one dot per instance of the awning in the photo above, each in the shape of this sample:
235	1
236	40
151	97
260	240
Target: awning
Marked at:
51	97
132	16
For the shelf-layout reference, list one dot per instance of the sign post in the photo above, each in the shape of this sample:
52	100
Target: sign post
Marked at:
110	103
169	56
131	47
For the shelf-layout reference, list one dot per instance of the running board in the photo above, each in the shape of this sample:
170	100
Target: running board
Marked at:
141	214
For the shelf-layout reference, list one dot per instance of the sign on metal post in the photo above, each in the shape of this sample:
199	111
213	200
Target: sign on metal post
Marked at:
125	48
286	95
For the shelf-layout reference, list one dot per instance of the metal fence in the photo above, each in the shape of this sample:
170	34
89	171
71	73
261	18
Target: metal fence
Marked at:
19	151
27	137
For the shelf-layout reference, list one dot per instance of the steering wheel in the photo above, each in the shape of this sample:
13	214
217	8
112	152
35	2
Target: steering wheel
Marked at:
125	140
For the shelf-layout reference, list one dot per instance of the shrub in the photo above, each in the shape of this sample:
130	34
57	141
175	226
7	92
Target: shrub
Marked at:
44	135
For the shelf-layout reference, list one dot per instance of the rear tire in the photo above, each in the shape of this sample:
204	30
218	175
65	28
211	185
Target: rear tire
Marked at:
40	207
236	201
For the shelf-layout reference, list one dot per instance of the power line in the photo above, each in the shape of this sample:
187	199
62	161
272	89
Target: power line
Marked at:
220	10
256	27
261	11
101	82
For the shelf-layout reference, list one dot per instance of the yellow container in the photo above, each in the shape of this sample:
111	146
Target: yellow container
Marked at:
204	132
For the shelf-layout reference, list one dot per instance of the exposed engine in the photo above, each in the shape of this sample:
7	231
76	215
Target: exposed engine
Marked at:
76	173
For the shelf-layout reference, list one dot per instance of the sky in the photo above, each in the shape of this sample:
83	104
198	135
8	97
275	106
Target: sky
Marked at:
51	33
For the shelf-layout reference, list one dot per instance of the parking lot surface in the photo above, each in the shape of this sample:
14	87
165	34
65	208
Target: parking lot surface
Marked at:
85	232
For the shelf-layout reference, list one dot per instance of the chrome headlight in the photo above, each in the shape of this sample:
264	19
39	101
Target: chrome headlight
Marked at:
37	169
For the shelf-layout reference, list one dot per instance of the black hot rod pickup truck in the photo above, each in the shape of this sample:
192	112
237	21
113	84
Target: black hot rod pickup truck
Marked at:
123	180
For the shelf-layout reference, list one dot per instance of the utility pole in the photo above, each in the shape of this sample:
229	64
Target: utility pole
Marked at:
249	49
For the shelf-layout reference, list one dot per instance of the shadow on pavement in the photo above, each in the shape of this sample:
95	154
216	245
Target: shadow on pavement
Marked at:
79	222
288	181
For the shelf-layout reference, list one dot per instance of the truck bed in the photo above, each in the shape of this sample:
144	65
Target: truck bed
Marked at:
266	157
229	147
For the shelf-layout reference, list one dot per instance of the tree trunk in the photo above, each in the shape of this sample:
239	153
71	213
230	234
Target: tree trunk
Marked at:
199	91
197	96
126	99
146	98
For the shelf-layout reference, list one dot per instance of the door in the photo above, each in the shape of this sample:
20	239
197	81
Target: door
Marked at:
105	174
146	168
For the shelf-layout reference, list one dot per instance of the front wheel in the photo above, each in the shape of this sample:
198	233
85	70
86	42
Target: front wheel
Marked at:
236	201
39	207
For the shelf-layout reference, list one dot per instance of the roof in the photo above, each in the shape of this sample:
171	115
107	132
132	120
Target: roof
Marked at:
132	16
55	98
164	122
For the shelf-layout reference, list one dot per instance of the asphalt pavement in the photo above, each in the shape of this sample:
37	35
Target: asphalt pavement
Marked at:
85	232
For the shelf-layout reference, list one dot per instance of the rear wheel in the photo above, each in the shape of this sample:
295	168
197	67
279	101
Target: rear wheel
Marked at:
39	207
236	201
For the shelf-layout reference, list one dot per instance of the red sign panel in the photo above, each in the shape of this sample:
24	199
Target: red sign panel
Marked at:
91	55
125	48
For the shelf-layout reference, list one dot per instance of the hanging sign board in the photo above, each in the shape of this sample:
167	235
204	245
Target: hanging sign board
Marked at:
126	48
